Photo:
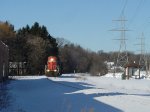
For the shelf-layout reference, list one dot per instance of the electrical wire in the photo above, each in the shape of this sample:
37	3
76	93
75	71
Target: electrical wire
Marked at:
137	10
124	6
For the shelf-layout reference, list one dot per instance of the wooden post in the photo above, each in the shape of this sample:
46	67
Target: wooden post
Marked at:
127	72
139	73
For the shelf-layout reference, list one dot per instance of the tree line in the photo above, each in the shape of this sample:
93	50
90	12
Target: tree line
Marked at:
29	44
80	60
33	44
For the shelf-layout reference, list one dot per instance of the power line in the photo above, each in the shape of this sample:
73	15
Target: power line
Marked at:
124	6
138	8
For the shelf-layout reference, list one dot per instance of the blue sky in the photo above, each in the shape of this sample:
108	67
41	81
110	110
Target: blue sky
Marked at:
84	22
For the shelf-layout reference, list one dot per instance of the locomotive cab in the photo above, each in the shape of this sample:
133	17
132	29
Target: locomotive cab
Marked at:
53	67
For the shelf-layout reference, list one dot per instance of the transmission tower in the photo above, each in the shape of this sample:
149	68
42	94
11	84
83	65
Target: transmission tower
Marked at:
122	58
143	58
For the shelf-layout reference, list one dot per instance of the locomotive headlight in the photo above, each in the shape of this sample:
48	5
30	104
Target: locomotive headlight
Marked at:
47	70
55	70
52	59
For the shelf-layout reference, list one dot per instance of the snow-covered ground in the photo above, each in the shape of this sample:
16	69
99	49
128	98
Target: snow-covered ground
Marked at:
75	93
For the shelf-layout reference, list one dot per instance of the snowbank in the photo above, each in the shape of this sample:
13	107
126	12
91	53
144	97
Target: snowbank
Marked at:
78	93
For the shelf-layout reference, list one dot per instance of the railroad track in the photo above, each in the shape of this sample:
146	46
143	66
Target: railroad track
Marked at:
63	84
74	86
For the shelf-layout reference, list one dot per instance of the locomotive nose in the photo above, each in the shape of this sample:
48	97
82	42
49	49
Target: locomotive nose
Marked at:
53	66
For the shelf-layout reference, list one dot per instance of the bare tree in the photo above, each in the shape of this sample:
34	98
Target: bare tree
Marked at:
36	54
62	42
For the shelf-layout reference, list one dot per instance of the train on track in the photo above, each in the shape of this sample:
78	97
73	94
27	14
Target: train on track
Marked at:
53	67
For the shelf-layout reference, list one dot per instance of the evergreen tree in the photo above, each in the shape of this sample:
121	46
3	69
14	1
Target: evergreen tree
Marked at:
37	43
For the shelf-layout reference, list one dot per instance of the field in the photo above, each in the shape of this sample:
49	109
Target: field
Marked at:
76	93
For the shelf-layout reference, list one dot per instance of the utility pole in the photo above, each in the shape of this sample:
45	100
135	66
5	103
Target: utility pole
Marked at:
122	58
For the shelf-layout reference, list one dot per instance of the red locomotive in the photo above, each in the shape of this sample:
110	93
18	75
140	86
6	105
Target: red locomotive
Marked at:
53	67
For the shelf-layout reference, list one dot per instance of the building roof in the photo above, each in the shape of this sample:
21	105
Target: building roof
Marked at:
132	65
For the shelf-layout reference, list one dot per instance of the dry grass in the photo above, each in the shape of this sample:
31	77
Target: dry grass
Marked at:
87	110
81	78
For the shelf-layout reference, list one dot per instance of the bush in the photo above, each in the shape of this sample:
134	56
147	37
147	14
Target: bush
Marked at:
123	76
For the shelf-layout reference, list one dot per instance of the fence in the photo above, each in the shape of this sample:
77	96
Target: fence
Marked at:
4	61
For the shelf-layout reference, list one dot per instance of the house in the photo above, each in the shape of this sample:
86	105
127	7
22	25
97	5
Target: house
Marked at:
17	68
109	64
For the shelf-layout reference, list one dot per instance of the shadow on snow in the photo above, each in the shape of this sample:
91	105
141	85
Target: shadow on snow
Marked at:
46	95
38	95
5	98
